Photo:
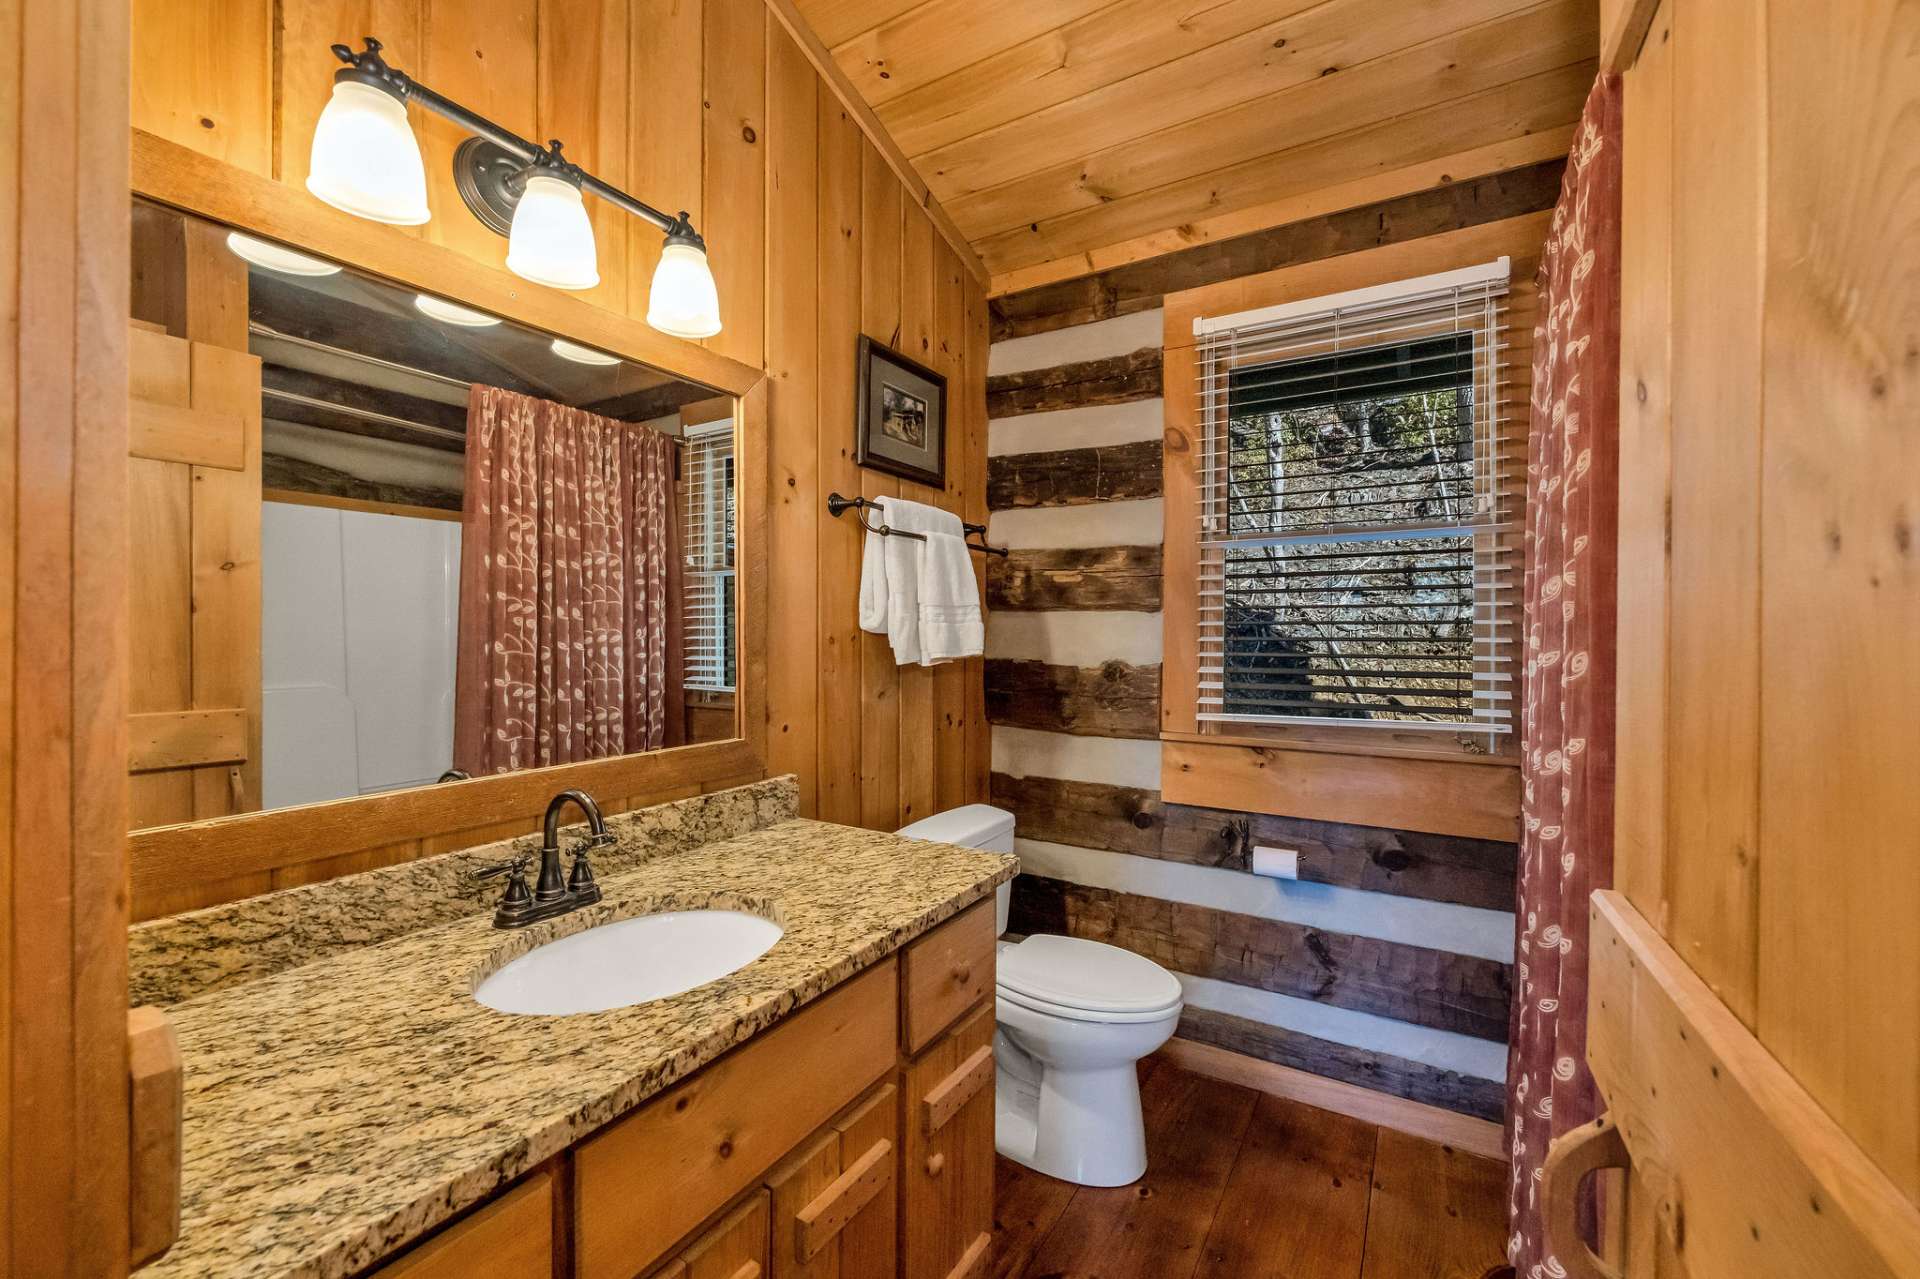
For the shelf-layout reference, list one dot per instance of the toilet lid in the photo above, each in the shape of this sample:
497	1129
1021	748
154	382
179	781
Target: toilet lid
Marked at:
1071	973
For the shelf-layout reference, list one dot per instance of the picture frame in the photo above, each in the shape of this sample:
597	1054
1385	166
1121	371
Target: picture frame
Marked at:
901	427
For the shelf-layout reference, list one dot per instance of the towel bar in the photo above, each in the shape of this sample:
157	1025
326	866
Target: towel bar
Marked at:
838	506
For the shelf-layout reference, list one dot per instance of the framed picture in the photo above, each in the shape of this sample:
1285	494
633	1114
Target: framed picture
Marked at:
903	416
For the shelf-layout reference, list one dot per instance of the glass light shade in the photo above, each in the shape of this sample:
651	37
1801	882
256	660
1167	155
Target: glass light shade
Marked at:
365	160
452	312
683	300
272	257
582	354
551	242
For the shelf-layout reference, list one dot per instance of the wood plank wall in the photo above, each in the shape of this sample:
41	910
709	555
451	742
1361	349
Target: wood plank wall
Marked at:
710	106
1387	966
63	641
1770	584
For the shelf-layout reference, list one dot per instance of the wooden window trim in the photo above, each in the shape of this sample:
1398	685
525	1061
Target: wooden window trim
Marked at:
1519	238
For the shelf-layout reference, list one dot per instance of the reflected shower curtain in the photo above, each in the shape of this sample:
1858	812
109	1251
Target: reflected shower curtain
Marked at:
1566	736
570	614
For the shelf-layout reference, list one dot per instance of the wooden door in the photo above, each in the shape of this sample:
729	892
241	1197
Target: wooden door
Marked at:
947	1173
1755	978
833	1200
193	498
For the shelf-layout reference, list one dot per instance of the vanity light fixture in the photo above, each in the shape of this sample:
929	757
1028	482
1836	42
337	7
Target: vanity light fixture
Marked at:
272	257
583	354
366	162
452	312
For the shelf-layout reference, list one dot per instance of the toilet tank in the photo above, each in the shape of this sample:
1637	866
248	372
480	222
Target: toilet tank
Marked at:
972	826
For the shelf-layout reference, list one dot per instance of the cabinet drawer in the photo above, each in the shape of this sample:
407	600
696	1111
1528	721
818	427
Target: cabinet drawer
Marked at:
947	972
650	1178
947	1170
510	1238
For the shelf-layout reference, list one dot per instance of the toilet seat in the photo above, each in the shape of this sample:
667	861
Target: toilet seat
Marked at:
1082	980
1091	1017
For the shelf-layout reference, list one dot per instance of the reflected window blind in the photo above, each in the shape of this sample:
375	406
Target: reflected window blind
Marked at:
1359	534
707	539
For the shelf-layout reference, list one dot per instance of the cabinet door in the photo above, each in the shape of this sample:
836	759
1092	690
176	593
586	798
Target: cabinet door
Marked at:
734	1249
947	1172
833	1200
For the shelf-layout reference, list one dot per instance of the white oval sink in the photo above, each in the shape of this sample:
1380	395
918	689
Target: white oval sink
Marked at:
630	961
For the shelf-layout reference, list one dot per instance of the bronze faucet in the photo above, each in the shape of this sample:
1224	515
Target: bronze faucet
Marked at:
552	894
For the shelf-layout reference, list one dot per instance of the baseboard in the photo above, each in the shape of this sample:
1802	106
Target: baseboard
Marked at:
1462	1132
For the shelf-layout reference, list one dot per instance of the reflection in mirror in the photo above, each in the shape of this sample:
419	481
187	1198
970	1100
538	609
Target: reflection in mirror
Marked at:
381	537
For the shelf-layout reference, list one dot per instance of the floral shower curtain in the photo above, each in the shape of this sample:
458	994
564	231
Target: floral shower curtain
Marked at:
570	609
1566	840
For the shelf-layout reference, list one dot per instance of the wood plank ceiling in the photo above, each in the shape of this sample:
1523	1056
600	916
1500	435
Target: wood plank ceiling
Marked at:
1067	136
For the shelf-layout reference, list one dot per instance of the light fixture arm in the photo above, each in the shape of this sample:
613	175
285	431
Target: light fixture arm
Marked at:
368	67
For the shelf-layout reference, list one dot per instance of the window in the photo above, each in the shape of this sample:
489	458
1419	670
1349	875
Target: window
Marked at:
707	540
1358	542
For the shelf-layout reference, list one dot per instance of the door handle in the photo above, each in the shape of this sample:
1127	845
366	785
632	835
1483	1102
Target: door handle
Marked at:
1571	1159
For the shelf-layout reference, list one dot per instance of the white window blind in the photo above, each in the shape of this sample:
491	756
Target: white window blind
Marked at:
1357	509
706	485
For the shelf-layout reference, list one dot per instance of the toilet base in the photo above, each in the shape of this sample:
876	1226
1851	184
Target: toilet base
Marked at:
1082	1126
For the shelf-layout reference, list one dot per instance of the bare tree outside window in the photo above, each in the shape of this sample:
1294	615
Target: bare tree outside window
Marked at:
1350	517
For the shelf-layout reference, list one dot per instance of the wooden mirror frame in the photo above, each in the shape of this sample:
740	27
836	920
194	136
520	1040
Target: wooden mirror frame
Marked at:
165	860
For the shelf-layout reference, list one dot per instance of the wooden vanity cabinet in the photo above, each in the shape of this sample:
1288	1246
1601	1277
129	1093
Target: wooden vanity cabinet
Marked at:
854	1140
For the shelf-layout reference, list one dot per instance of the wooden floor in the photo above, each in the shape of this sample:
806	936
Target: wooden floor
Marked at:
1243	1185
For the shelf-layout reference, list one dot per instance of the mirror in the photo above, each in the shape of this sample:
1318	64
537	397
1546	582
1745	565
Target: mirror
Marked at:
381	539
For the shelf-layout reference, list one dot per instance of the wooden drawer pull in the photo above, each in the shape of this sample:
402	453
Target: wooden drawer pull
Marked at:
1571	1158
972	1261
962	974
957	1089
747	1270
815	1225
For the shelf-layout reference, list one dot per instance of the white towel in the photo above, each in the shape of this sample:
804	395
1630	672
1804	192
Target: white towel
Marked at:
915	592
950	622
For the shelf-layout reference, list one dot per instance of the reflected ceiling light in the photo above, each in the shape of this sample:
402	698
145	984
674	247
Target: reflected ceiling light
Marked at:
550	240
365	161
582	354
272	257
452	312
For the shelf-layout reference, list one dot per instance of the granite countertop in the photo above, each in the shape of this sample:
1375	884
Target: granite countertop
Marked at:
339	1109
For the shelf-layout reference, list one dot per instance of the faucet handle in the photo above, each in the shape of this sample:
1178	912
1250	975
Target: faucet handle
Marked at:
581	882
515	866
516	898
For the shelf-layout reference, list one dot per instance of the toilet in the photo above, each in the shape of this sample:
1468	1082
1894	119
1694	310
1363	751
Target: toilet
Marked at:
1072	1019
